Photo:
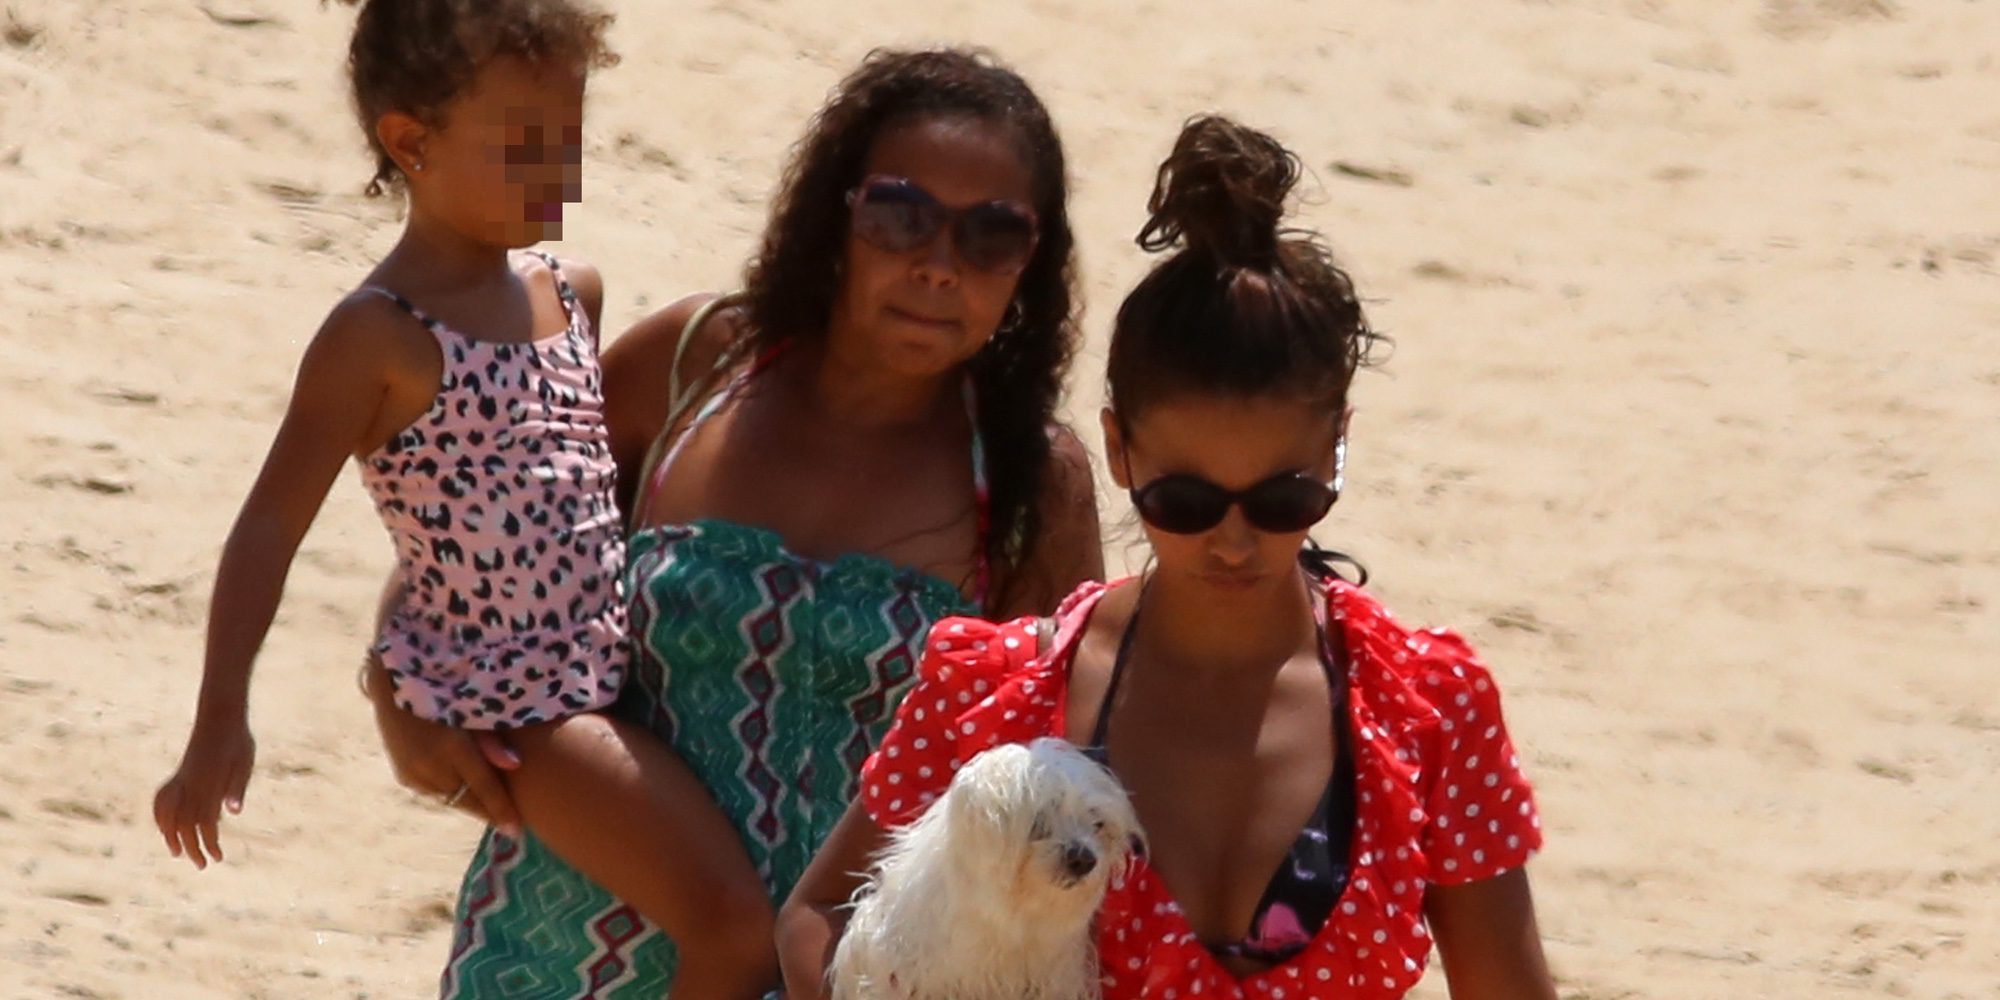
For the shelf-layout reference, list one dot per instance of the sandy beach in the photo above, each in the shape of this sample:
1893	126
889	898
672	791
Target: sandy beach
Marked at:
1695	398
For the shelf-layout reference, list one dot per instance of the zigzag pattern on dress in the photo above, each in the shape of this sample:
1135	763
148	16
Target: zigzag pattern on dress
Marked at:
771	675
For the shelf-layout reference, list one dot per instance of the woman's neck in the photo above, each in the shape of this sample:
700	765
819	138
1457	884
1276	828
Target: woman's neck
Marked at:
851	393
1193	632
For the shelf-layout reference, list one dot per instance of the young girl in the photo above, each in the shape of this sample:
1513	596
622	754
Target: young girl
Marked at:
1322	788
462	376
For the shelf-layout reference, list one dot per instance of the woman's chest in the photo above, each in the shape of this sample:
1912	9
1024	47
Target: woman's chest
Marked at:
1221	817
1374	943
1224	793
910	500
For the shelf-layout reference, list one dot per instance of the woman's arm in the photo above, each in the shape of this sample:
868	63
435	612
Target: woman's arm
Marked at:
1070	549
811	921
432	759
1486	934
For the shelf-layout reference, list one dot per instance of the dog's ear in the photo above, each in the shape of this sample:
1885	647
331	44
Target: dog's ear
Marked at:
1135	844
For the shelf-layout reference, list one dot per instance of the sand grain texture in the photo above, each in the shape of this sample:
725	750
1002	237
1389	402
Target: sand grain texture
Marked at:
1691	426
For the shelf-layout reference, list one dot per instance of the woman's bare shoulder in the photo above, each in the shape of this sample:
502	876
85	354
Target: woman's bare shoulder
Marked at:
1068	550
652	344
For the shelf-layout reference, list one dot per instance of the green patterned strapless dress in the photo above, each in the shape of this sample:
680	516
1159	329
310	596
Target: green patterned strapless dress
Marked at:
772	675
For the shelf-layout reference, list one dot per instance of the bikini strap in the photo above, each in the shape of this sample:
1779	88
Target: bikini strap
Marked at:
1330	654
563	291
668	451
430	323
676	405
653	470
667	445
1102	729
982	498
1320	562
572	308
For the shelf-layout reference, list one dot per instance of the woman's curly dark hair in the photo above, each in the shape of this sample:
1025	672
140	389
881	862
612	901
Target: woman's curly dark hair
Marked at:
415	56
791	285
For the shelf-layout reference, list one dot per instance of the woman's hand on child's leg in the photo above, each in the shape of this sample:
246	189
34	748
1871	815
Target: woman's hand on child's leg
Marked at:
431	759
214	771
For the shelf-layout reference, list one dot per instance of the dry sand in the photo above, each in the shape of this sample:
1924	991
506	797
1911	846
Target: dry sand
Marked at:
1693	409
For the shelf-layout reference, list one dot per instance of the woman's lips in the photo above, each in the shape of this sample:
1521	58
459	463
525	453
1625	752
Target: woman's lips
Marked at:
1232	581
922	320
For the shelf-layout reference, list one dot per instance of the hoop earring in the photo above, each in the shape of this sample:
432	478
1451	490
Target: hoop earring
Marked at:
1011	320
1339	466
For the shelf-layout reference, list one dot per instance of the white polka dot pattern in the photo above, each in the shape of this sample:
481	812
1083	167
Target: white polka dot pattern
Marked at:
1476	831
1442	799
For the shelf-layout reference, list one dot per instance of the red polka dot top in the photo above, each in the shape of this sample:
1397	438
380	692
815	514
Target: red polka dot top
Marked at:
1440	797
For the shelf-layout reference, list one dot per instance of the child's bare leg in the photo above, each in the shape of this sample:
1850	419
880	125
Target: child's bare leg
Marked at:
624	809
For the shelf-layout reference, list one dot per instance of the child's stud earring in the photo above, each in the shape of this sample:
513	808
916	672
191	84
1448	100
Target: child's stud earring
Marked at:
417	168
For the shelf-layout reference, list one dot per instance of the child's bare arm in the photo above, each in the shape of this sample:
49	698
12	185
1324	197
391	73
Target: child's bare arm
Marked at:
335	402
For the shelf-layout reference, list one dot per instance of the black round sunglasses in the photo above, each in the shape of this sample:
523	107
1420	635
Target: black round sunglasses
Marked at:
1189	505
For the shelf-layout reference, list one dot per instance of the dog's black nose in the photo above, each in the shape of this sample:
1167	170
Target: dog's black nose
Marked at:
1078	860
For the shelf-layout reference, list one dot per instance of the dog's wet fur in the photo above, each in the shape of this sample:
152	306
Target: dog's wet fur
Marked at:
990	894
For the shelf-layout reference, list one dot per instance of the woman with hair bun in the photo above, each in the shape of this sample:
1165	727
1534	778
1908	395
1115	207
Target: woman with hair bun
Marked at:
1323	788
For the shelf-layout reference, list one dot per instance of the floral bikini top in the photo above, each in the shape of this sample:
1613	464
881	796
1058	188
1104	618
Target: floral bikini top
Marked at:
1303	891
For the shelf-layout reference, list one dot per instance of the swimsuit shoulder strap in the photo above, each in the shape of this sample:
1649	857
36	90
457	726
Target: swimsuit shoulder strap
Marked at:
676	403
982	497
681	397
566	295
405	304
1102	729
443	334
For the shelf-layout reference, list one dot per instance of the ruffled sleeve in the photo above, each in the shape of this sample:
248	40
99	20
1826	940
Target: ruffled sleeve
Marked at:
1481	809
941	723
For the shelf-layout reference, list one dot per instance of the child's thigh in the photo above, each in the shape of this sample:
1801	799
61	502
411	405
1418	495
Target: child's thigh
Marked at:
586	749
602	765
617	803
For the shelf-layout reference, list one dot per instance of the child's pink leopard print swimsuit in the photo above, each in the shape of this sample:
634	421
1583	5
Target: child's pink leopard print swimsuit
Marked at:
500	502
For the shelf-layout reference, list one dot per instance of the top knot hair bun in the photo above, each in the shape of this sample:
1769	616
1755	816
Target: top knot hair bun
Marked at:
1222	193
1245	306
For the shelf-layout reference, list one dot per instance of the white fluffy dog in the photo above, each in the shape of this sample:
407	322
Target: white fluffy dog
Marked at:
990	894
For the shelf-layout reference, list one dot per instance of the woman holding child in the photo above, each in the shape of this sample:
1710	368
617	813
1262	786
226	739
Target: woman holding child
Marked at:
815	471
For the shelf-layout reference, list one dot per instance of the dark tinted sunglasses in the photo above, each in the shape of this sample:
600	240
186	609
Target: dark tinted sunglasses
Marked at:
894	214
1190	505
